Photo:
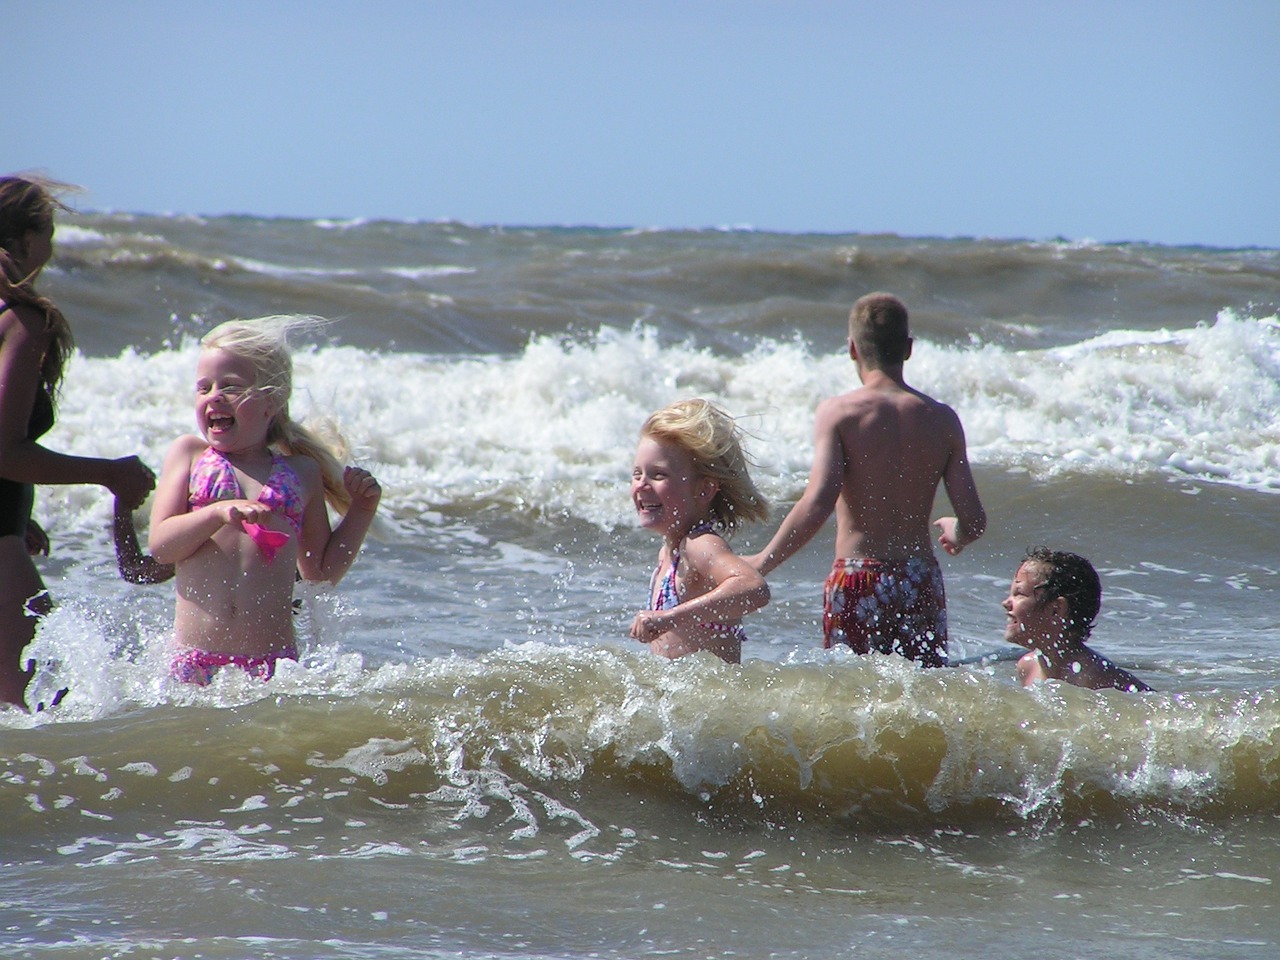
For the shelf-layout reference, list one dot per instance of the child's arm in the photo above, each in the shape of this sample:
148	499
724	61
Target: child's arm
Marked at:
22	345
135	566
328	555
176	531
811	511
736	590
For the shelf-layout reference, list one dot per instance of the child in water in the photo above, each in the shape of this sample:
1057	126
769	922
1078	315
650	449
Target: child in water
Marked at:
242	506
1052	604
690	486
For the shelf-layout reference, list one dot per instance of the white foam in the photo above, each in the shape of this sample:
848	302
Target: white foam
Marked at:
553	428
69	235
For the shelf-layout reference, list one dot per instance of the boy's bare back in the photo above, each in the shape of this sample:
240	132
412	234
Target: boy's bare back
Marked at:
892	446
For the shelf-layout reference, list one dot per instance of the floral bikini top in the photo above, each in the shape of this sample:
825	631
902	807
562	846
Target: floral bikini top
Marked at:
666	596
213	479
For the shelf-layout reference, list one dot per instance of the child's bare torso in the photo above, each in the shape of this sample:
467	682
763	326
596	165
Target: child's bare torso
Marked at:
229	600
897	443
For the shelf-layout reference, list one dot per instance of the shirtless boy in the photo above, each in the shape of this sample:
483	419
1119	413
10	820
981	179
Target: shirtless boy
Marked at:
880	452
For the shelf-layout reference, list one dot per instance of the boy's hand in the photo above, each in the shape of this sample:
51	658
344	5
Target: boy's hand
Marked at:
948	537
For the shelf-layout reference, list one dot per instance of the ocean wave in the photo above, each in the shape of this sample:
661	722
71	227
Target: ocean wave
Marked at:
826	738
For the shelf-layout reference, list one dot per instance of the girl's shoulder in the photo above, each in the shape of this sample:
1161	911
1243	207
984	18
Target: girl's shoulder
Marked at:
306	469
702	545
23	325
301	464
704	536
184	451
189	443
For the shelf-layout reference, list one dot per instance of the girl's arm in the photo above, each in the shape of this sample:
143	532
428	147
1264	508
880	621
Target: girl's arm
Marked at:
176	531
22	346
736	589
328	554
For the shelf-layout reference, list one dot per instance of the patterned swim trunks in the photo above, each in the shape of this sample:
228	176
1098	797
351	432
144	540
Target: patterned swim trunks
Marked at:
897	607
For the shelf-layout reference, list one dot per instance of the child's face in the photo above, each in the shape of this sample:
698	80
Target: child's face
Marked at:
37	249
230	413
666	491
1029	618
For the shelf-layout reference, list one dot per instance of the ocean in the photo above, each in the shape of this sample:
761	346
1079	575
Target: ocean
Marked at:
472	758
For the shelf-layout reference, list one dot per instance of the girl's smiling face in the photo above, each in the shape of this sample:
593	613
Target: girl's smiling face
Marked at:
666	491
231	414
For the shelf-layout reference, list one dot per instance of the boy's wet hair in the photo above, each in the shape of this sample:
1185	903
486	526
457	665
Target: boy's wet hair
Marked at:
714	441
1072	577
878	327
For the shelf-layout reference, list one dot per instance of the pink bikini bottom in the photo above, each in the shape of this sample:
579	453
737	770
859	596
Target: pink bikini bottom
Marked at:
199	666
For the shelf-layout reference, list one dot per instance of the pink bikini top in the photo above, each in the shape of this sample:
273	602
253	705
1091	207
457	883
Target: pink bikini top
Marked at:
213	479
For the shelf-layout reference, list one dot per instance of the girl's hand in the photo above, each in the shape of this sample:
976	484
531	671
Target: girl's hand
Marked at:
130	480
649	625
363	487
240	511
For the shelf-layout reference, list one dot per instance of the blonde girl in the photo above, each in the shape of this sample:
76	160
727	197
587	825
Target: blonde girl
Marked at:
241	507
690	485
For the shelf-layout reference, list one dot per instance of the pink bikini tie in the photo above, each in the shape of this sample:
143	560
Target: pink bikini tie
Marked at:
268	541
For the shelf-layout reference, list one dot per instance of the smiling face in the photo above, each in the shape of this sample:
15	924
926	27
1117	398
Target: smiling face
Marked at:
1031	620
666	491
230	413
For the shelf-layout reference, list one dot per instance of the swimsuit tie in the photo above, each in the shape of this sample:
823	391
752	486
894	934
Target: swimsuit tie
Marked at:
268	541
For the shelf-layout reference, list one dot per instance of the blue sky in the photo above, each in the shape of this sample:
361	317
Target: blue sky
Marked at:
1111	121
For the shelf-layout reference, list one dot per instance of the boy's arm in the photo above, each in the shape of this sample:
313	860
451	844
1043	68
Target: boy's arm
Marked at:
970	521
806	518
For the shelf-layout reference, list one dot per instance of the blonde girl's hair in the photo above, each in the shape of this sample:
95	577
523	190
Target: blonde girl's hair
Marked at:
264	342
28	202
714	440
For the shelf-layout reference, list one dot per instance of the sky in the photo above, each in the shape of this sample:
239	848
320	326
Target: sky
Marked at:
1105	120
